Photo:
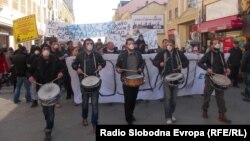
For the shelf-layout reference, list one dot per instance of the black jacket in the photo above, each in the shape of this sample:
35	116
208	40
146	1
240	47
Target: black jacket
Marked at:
90	66
122	62
235	57
20	61
160	58
44	71
245	66
217	65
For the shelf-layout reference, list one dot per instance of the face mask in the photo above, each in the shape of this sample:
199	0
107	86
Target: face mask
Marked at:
89	47
46	53
37	52
217	46
56	46
132	47
169	48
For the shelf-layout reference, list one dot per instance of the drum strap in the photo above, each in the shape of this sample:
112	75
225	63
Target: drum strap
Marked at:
178	59
212	59
165	63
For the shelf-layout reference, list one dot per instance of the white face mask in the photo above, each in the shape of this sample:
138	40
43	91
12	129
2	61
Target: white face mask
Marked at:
132	47
37	52
169	48
46	53
56	46
217	46
89	47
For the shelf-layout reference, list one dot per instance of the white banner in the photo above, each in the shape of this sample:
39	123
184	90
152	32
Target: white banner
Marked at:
122	28
150	38
111	89
59	30
143	23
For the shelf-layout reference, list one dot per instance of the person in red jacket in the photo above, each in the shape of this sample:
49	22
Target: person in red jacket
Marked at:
3	66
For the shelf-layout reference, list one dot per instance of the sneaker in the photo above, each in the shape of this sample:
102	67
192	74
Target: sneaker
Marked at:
173	119
169	121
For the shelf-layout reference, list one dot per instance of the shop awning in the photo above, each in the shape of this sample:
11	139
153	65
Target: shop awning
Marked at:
221	24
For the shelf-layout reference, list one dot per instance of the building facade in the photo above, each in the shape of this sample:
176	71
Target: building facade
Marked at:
181	16
43	9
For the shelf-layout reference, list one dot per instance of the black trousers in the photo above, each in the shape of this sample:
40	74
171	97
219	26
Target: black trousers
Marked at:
67	84
234	74
130	96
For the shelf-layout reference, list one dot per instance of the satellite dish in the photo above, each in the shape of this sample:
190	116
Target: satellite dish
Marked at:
195	36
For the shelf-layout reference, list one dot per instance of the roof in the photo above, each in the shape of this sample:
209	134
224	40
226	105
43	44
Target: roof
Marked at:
146	6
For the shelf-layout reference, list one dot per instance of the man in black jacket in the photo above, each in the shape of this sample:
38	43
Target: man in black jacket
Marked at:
245	68
20	61
89	63
214	62
129	60
233	62
45	69
170	61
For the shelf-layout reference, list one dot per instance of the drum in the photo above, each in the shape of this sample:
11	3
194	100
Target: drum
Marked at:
175	79
134	80
48	94
91	83
220	82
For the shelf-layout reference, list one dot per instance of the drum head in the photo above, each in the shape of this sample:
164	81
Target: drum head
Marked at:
48	91
134	77
174	76
90	81
220	79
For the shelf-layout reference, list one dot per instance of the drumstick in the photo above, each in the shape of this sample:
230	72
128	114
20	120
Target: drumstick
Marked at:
37	83
54	80
129	70
84	74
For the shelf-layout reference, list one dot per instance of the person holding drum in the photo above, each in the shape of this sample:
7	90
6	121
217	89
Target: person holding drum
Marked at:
170	62
214	63
130	64
88	64
44	70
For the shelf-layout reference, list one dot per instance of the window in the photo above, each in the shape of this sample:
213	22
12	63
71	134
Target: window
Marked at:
15	4
192	3
176	13
4	2
23	6
170	15
29	7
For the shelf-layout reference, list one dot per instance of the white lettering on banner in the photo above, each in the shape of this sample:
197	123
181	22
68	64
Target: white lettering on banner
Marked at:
150	38
111	88
146	22
122	28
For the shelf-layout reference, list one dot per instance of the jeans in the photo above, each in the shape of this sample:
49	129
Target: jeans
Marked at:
94	102
49	115
234	74
247	83
170	95
20	81
33	91
130	96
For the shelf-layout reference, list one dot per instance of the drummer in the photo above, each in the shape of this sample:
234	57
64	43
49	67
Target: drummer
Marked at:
170	61
214	62
89	63
44	70
129	60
